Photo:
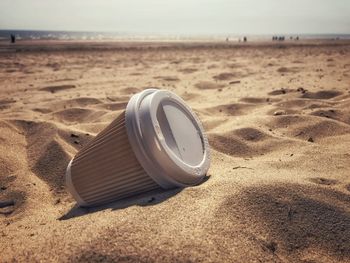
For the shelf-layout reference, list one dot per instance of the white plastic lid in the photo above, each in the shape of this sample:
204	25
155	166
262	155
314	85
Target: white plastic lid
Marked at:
167	138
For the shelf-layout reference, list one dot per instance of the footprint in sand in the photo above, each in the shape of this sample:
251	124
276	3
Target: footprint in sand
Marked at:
288	70
6	103
323	181
129	90
11	70
234	65
135	74
7	207
254	100
279	112
279	92
53	66
54	89
224	76
168	78
42	110
188	70
11	202
207	85
189	96
322	95
114	106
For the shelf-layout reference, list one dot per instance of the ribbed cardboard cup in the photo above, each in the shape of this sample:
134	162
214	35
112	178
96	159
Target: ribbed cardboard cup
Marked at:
157	142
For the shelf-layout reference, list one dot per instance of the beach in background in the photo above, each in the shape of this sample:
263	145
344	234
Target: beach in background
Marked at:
125	36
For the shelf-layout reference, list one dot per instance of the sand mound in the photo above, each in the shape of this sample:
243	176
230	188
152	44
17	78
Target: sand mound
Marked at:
234	109
303	104
46	152
251	134
82	102
49	149
284	216
77	115
13	171
50	166
11	161
342	116
306	127
244	142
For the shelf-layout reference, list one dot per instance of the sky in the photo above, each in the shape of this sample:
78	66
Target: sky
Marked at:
179	16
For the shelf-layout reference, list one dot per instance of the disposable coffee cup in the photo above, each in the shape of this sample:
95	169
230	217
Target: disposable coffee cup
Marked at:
156	142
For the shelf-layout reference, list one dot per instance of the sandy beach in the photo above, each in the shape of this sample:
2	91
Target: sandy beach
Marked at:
277	116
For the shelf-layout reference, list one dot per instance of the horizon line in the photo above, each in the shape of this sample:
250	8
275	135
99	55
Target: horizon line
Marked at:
169	33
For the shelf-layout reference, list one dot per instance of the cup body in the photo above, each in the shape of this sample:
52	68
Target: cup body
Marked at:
106	169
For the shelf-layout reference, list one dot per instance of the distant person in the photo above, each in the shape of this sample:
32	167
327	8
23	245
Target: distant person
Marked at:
244	39
13	38
227	39
297	38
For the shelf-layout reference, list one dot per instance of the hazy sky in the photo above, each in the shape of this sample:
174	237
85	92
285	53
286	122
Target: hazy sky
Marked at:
179	16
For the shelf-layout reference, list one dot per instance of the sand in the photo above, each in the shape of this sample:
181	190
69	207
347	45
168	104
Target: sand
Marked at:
278	121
